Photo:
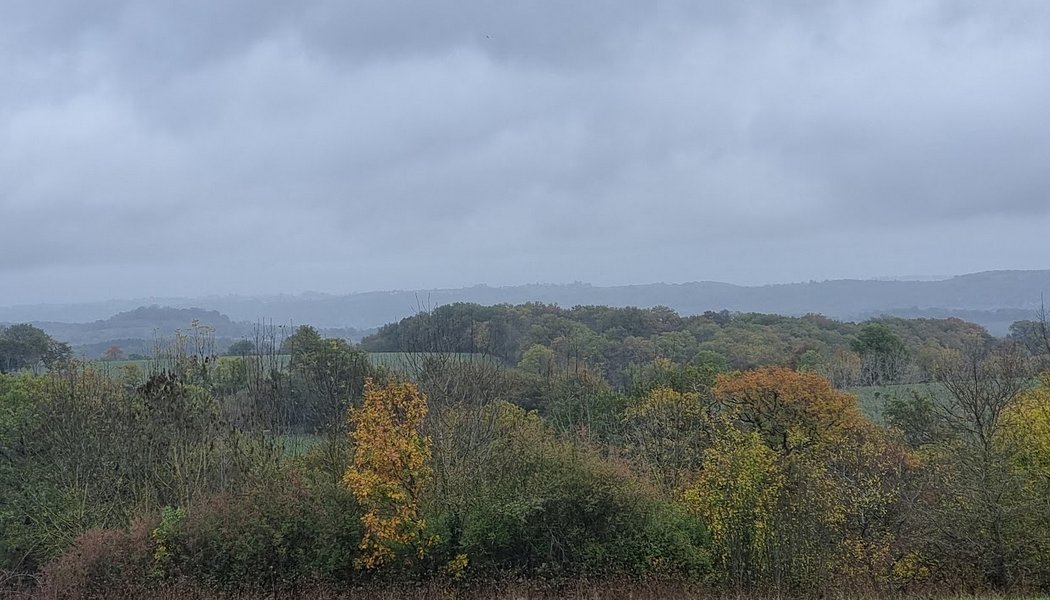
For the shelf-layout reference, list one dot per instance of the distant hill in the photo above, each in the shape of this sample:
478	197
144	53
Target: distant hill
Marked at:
993	299
144	322
136	331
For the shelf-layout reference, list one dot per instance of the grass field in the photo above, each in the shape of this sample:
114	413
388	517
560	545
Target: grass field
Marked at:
873	399
409	362
297	444
114	367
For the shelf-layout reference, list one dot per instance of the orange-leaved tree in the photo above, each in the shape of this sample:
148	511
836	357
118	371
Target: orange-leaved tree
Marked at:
791	410
788	479
391	463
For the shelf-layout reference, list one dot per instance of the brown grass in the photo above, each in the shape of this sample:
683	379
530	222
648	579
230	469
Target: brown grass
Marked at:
578	590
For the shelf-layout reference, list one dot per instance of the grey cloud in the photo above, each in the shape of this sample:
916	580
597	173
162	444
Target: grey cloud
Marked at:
160	147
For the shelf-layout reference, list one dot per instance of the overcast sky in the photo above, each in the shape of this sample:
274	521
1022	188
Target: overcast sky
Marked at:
259	146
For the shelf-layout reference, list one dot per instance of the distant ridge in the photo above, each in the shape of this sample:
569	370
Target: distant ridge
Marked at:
991	298
136	331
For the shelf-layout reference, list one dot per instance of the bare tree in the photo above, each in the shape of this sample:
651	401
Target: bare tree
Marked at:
979	518
982	382
1044	327
462	388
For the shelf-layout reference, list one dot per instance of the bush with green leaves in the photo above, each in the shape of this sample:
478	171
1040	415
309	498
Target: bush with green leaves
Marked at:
291	531
84	453
542	506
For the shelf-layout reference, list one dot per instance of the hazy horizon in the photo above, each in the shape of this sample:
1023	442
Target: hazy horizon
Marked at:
337	293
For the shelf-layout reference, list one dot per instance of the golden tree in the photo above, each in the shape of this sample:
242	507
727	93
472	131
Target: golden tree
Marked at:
791	410
1026	434
667	431
736	494
391	463
796	478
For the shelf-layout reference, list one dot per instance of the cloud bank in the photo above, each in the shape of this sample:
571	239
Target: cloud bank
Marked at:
184	148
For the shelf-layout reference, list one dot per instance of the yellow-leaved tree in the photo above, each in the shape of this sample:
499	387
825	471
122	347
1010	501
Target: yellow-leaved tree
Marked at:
391	463
667	432
1026	436
795	478
736	494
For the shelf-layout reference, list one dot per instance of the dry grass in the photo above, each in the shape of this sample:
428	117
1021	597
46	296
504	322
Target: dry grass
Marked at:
580	590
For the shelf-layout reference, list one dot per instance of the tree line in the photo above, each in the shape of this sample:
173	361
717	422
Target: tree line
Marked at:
610	340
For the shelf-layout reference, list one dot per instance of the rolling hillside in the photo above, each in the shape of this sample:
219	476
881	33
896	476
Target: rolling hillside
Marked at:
993	299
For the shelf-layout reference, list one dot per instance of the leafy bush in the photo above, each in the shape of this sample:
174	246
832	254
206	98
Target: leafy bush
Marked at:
291	531
544	507
100	562
83	453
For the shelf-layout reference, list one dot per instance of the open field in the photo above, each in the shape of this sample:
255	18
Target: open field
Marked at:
873	399
297	444
410	362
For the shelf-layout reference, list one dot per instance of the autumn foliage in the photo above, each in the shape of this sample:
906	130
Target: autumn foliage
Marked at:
238	476
391	463
790	410
795	480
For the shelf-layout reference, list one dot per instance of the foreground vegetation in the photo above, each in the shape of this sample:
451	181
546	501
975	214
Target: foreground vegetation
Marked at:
524	450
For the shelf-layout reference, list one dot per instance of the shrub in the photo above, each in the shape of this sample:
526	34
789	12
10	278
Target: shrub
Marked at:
289	532
99	562
545	507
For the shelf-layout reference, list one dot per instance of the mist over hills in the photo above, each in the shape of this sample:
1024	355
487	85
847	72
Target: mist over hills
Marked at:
994	299
136	331
143	322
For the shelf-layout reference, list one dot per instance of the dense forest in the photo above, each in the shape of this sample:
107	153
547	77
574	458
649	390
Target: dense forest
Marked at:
474	448
610	341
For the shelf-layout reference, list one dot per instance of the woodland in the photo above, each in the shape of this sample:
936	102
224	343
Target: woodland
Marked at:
533	451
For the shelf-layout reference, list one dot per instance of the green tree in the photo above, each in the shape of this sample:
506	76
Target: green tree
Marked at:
918	418
328	375
305	339
241	348
883	354
542	505
27	347
538	360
